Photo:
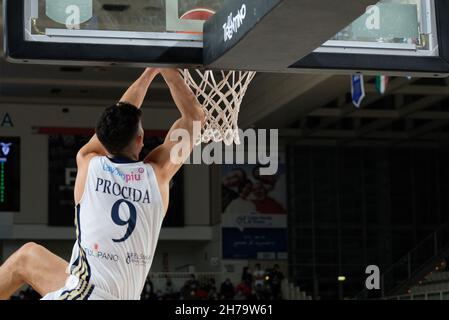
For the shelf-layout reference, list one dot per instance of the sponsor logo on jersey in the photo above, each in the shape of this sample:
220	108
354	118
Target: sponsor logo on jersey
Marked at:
138	259
127	177
95	252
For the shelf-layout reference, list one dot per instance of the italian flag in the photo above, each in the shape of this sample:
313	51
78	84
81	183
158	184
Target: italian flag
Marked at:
382	84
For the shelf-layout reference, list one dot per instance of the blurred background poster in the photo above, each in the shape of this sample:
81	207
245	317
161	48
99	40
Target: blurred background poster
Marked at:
254	213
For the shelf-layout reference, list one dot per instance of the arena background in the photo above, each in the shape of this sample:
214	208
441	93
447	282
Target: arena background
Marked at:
356	187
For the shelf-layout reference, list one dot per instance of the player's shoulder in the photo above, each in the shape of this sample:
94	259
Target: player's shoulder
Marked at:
90	163
85	160
157	172
152	169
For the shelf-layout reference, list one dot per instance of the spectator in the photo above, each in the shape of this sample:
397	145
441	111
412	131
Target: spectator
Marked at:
185	293
192	283
244	289
213	294
211	288
203	290
227	290
275	281
189	291
169	290
202	294
258	276
252	296
159	295
247	277
259	292
210	284
148	290
239	296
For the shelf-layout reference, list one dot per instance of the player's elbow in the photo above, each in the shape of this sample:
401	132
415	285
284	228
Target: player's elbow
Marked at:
80	157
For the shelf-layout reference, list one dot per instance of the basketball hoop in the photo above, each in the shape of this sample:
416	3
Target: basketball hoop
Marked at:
221	94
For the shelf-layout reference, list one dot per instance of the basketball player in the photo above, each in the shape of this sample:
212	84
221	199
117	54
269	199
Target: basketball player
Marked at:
120	205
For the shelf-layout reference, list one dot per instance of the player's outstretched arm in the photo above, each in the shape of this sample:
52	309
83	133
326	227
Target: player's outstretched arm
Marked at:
181	136
136	93
135	96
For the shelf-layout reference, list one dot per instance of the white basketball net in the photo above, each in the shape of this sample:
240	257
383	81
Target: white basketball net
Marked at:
221	94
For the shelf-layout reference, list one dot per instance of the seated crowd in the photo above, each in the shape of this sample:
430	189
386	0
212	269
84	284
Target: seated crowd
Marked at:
257	285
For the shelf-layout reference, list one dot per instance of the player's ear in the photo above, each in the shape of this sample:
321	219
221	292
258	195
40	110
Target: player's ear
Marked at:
139	139
142	142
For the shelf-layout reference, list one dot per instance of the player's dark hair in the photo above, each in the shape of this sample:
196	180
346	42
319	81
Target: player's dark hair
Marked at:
118	126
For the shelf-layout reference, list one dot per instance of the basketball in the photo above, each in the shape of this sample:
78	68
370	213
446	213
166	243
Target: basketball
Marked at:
201	14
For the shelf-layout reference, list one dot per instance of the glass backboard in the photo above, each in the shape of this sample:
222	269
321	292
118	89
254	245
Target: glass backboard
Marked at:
138	22
403	27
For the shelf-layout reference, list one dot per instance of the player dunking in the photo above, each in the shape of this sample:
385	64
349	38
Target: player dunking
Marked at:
120	205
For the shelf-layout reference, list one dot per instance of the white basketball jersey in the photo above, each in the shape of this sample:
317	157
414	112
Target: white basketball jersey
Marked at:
118	223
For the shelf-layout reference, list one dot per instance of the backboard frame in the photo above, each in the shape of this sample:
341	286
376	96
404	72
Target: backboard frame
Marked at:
18	49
